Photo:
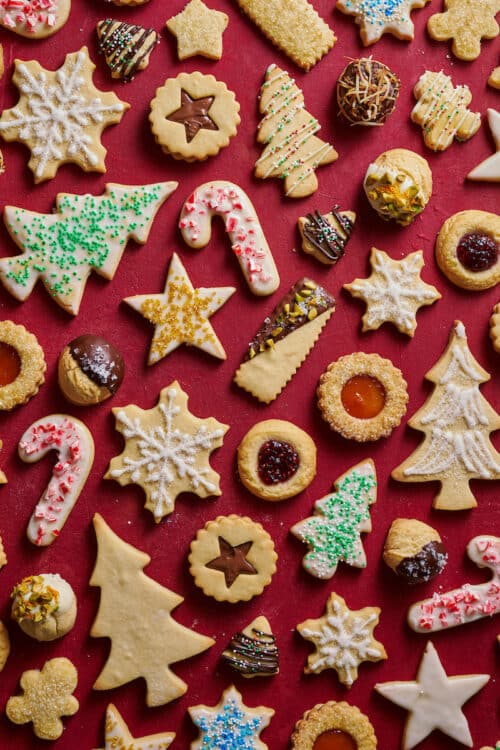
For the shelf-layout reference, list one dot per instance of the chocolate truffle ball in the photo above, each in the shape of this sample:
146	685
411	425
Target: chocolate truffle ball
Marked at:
366	92
90	370
414	550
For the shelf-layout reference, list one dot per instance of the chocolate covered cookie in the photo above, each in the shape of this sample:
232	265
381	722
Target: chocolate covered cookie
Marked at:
414	551
90	370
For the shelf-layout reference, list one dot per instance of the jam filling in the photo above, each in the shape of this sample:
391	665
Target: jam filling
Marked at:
477	251
277	461
10	364
363	397
334	739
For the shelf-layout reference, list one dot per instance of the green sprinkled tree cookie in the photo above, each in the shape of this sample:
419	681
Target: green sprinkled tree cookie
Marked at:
333	532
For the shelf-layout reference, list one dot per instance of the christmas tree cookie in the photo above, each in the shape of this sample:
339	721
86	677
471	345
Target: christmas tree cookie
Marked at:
253	651
126	47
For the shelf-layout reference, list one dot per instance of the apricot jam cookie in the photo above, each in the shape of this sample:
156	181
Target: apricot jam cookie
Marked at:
22	365
334	725
276	460
232	559
362	396
467	249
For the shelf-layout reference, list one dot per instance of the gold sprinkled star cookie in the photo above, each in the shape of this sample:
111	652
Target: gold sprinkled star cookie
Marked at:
489	169
180	315
117	735
394	292
198	30
377	17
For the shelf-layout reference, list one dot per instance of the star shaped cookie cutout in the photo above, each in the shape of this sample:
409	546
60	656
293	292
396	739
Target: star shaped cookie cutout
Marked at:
434	700
198	30
194	115
232	561
381	17
343	639
394	292
180	315
489	169
230	724
117	735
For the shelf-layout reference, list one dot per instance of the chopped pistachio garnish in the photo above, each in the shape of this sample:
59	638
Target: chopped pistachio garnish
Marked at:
34	600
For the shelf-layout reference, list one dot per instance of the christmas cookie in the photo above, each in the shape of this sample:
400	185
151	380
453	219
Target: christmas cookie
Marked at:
117	735
381	17
332	725
414	551
74	445
60	115
326	236
276	460
284	340
193	116
232	559
398	185
494	78
125	212
58	679
126	47
456	421
4	645
287	131
333	533
90	370
442	111
367	91
495	328
181	314
466	23
35	19
295	28
468	249
22	365
230	723
3	480
489	169
394	292
3	556
128	3
44	606
198	30
135	613
253	652
468	603
167	451
434	700
362	396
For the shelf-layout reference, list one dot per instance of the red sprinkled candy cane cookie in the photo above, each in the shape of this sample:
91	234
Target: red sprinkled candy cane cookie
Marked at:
75	447
248	242
468	603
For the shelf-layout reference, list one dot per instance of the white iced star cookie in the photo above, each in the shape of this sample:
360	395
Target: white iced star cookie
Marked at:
117	735
489	169
180	315
434	700
230	723
394	292
377	17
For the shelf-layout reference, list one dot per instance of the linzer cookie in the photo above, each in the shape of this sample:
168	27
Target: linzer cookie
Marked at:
381	17
22	365
367	91
489	169
35	19
90	370
325	236
294	27
253	652
284	340
198	30
287	131
466	23
126	47
44	606
342	724
414	551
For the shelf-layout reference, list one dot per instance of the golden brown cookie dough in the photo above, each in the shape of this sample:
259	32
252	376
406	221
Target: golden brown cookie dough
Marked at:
468	249
276	460
362	396
22	365
333	718
414	551
44	606
232	559
495	328
90	370
4	645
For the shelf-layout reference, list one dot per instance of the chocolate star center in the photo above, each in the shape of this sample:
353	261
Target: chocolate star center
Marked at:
193	114
232	561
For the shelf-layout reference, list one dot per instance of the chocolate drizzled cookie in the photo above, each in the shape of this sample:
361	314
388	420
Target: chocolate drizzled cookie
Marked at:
326	236
125	46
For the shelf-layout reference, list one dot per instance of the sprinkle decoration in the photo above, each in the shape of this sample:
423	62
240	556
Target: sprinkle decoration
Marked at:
126	46
252	655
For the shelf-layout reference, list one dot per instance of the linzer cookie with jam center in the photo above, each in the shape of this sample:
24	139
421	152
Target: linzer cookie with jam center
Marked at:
90	370
326	236
126	47
253	651
284	340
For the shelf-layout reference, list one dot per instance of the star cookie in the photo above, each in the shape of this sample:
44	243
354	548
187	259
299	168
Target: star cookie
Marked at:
230	723
466	23
489	169
60	115
198	30
394	292
180	315
117	735
343	639
377	17
166	451
434	700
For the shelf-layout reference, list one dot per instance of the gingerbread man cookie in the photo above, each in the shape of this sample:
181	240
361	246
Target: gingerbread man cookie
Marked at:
466	22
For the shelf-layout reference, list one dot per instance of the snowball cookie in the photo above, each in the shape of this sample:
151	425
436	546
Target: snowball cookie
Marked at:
414	550
44	606
90	370
276	460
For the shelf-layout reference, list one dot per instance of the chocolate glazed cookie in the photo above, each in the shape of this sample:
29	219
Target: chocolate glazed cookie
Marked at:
90	370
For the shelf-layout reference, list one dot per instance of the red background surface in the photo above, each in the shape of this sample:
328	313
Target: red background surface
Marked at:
134	158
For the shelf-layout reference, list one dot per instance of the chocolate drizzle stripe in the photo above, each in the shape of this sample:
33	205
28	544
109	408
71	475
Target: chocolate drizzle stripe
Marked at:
257	655
325	237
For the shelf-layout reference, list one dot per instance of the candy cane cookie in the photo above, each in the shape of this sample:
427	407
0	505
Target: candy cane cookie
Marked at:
75	448
469	602
248	242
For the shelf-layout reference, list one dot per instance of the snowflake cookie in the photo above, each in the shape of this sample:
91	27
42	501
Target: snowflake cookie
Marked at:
466	22
377	17
60	115
118	737
166	451
230	724
343	639
394	291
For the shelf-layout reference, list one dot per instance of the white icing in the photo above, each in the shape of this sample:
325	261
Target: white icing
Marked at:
489	169
118	736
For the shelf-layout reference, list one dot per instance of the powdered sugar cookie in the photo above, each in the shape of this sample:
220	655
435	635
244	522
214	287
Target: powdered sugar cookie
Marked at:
341	723
35	19
44	606
466	23
198	30
126	47
22	365
381	17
